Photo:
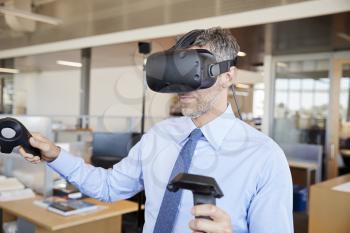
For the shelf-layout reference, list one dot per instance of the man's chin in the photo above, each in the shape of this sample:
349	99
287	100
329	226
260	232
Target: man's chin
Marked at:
190	113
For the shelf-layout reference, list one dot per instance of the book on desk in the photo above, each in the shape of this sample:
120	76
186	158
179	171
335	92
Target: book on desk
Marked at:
66	207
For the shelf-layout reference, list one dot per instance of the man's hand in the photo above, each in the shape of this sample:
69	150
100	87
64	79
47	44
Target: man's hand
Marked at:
49	151
221	220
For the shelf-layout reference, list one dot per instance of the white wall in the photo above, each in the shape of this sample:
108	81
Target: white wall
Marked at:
118	91
48	93
115	92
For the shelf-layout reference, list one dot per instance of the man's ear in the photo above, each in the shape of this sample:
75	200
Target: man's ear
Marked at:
227	78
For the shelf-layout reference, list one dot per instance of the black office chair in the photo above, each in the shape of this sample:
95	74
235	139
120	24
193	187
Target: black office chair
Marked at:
109	148
345	144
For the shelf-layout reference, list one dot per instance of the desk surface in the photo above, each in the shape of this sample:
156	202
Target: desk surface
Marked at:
303	164
345	152
329	184
51	221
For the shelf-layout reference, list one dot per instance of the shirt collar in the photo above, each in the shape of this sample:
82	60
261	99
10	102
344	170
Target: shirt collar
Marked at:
214	131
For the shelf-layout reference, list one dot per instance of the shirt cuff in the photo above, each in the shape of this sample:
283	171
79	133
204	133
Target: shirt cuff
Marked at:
65	163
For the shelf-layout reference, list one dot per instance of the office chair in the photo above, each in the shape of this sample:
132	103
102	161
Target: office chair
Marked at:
110	148
345	144
307	153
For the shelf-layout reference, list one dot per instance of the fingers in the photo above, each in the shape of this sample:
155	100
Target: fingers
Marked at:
209	210
221	221
29	157
40	144
40	137
203	225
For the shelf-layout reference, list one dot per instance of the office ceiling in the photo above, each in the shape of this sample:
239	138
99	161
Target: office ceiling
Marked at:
319	34
89	17
105	56
83	18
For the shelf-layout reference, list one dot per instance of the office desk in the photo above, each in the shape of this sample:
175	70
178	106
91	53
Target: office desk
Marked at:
345	152
310	168
107	220
329	210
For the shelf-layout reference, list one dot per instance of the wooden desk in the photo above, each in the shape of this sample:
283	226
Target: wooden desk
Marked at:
106	220
329	209
308	167
345	152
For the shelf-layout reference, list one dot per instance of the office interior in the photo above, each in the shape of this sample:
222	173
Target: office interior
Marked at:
73	71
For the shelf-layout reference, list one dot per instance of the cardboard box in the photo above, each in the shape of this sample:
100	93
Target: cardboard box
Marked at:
329	210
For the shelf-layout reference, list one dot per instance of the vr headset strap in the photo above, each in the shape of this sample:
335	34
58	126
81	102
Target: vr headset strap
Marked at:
221	67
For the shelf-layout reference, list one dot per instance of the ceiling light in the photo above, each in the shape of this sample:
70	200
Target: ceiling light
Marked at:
241	54
8	70
281	64
30	15
68	63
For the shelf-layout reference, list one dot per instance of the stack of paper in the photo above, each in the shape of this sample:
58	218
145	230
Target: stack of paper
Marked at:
9	184
343	187
11	189
16	195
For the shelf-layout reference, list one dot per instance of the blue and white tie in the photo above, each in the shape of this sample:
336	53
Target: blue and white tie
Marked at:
169	207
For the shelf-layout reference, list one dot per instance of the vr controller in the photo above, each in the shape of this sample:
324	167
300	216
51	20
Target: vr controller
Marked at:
204	188
21	137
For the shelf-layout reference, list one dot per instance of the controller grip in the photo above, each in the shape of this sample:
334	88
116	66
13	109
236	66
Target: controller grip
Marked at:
199	199
31	150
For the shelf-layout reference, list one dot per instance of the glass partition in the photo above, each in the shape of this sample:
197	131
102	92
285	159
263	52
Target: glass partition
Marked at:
301	101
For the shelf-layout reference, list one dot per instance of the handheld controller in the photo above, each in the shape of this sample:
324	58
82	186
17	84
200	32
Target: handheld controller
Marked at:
21	137
204	188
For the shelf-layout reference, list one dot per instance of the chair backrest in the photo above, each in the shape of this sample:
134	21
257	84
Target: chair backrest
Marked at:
112	144
305	152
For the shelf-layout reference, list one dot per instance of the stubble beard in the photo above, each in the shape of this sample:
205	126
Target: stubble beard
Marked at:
199	107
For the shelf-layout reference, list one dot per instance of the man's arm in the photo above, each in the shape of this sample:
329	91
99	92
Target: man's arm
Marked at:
272	205
122	181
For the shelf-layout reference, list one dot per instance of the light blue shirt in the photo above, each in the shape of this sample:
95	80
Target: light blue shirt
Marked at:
250	168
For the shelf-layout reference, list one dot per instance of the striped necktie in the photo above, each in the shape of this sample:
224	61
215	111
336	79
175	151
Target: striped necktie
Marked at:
170	203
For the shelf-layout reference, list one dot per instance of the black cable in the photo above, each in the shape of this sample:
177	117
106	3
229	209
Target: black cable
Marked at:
235	99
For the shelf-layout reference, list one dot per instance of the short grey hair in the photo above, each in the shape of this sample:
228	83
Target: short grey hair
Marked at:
220	41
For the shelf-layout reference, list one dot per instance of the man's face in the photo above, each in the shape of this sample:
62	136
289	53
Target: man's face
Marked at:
197	103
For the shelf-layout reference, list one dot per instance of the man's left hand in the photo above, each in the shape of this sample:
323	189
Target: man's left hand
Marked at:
220	223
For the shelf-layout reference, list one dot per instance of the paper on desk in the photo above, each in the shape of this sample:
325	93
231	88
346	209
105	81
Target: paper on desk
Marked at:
343	187
14	195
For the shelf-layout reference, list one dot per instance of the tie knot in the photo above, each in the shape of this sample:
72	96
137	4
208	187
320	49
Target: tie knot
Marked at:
196	134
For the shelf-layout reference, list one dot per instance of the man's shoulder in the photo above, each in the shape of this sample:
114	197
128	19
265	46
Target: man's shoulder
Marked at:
248	132
251	137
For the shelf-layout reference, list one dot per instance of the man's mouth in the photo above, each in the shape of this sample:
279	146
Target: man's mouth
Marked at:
185	98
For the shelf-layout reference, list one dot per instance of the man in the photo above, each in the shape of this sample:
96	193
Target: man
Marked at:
250	168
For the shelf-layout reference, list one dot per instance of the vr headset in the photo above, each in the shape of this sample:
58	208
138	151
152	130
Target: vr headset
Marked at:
180	69
184	70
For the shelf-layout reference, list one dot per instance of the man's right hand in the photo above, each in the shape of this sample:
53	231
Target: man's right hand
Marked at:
49	151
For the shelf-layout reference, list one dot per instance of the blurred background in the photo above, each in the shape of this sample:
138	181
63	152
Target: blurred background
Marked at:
73	70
